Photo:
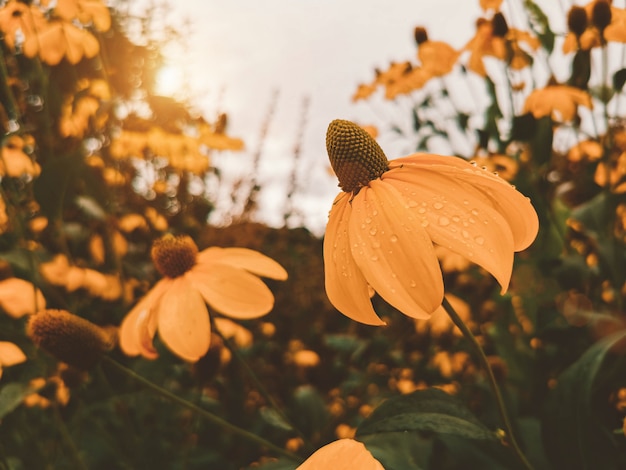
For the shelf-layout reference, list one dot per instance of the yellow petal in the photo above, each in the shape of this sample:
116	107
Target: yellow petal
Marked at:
10	354
183	321
244	258
232	291
459	217
346	286
510	203
344	454
19	297
130	339
394	252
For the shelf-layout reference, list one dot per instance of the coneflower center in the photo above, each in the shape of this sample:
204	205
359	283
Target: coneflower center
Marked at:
174	256
355	156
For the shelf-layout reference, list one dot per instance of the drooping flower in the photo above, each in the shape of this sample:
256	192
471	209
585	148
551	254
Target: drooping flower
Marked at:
225	278
344	454
383	226
10	355
560	102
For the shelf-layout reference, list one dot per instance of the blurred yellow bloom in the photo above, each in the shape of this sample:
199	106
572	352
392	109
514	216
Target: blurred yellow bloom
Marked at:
588	150
4	218
10	355
612	175
344	454
440	323
225	278
560	102
85	11
61	39
19	297
382	227
590	37
364	91
490	4
231	330
18	16
14	162
437	57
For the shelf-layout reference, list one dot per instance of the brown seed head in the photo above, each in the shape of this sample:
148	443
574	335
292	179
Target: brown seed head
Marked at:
601	14
69	338
174	256
355	156
420	35
577	20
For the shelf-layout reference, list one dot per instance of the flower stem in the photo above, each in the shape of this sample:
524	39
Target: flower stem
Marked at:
204	413
508	429
258	384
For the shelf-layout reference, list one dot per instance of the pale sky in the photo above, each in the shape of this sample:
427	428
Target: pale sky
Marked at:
241	51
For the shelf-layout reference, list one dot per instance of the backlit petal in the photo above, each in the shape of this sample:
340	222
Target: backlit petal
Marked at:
394	252
10	354
459	217
232	291
129	336
183	321
510	203
344	454
19	297
346	286
243	258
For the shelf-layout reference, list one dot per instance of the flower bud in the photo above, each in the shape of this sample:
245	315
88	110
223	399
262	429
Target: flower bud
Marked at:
601	14
69	338
420	35
577	20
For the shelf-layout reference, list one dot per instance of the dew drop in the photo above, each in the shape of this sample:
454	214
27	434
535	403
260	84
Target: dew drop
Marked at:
368	220
437	205
412	204
413	283
374	212
421	210
465	234
374	258
479	240
375	244
473	163
456	218
466	202
470	254
424	223
393	239
474	212
373	231
443	221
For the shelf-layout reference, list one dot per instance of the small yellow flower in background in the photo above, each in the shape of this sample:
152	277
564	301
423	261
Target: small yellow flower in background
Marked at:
612	175
438	58
344	454
17	16
14	161
587	150
10	355
19	297
225	278
364	91
85	11
383	226
560	102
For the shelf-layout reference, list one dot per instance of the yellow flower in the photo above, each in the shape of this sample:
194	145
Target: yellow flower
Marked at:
14	162
225	278
19	297
10	355
344	454
560	102
382	227
17	16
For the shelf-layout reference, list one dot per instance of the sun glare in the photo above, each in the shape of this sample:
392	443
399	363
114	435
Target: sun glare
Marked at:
169	81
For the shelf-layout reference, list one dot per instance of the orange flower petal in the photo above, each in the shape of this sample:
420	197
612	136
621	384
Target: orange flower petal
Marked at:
10	354
232	291
460	218
19	297
510	203
244	258
346	286
183	321
344	454
394	252
129	335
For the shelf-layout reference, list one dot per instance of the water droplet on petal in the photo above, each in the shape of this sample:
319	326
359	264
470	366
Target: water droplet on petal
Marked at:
413	283
479	240
443	221
393	239
421	210
424	223
373	231
412	204
437	205
368	220
374	258
465	234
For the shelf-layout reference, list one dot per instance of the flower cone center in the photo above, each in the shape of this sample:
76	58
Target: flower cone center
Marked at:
174	256
355	156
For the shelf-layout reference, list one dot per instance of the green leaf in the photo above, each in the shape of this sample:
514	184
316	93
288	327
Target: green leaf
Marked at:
578	419
430	410
273	418
619	78
581	69
12	395
400	450
309	410
540	24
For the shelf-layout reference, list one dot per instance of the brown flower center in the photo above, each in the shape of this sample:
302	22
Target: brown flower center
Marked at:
174	256
355	156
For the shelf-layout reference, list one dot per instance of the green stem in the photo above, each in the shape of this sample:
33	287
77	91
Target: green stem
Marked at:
67	439
508	429
233	349
204	413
